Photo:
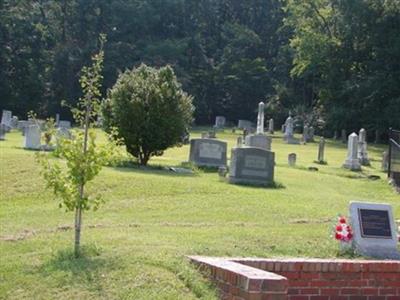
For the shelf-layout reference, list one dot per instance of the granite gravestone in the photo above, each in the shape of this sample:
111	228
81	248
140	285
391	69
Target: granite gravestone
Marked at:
244	124
352	161
64	124
362	148
289	131
375	233
208	152
259	140
252	166
321	151
292	157
220	122
6	119
271	126
32	137
3	131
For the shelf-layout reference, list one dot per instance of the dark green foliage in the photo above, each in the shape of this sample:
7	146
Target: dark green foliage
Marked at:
335	61
149	110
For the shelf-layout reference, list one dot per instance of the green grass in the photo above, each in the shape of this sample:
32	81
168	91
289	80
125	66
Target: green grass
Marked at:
135	245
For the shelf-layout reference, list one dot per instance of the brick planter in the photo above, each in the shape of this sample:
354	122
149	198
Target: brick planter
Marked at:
302	279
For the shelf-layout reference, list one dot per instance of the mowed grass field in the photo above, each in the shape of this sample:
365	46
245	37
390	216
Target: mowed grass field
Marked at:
136	244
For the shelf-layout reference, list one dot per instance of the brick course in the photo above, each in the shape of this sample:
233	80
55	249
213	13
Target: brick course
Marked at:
302	279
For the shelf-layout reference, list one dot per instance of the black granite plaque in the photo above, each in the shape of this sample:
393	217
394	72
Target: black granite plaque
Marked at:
374	223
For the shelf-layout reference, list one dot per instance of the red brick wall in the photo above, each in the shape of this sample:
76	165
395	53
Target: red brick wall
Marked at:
304	279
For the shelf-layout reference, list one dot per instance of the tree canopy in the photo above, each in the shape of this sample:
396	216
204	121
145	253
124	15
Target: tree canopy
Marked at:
337	60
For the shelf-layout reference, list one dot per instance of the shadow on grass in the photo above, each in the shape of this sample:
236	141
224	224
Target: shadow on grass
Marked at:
273	185
87	270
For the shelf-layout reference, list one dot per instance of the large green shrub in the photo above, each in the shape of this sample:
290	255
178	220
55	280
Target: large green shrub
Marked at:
150	111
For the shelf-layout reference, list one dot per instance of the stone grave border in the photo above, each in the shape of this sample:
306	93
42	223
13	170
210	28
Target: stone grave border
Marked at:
301	278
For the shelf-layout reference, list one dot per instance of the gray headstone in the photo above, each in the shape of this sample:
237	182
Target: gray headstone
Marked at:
32	137
292	157
6	119
374	229
3	131
362	148
311	133
57	119
14	122
352	161
64	124
260	118
252	166
306	134
271	126
239	142
344	136
289	131
283	128
208	152
321	150
220	121
244	124
258	141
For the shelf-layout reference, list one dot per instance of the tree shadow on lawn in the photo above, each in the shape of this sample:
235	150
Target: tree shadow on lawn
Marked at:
87	270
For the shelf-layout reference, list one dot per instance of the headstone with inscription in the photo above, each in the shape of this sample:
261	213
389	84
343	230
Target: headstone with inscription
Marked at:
352	161
258	141
220	121
208	152
32	137
251	165
374	229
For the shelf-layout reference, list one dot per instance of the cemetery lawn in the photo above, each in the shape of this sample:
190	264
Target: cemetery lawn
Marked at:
136	243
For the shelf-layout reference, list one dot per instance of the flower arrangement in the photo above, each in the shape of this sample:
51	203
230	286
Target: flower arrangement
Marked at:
343	231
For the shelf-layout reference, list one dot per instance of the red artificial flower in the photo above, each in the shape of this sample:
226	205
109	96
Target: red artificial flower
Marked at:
342	220
339	228
338	236
349	235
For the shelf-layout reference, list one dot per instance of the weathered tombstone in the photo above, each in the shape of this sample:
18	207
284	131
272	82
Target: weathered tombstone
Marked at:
3	131
344	136
57	119
220	121
260	118
239	142
32	137
6	119
258	141
352	161
244	124
374	229
204	135
362	148
289	133
311	133
321	151
271	126
305	133
208	152
292	157
252	166
64	124
14	122
385	161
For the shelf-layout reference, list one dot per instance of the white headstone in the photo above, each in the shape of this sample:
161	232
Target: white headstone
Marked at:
352	161
374	229
32	137
260	118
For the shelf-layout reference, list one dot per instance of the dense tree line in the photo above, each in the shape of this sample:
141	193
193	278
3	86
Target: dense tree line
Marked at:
335	63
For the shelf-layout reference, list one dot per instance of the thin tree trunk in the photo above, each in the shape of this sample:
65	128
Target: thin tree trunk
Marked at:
78	210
